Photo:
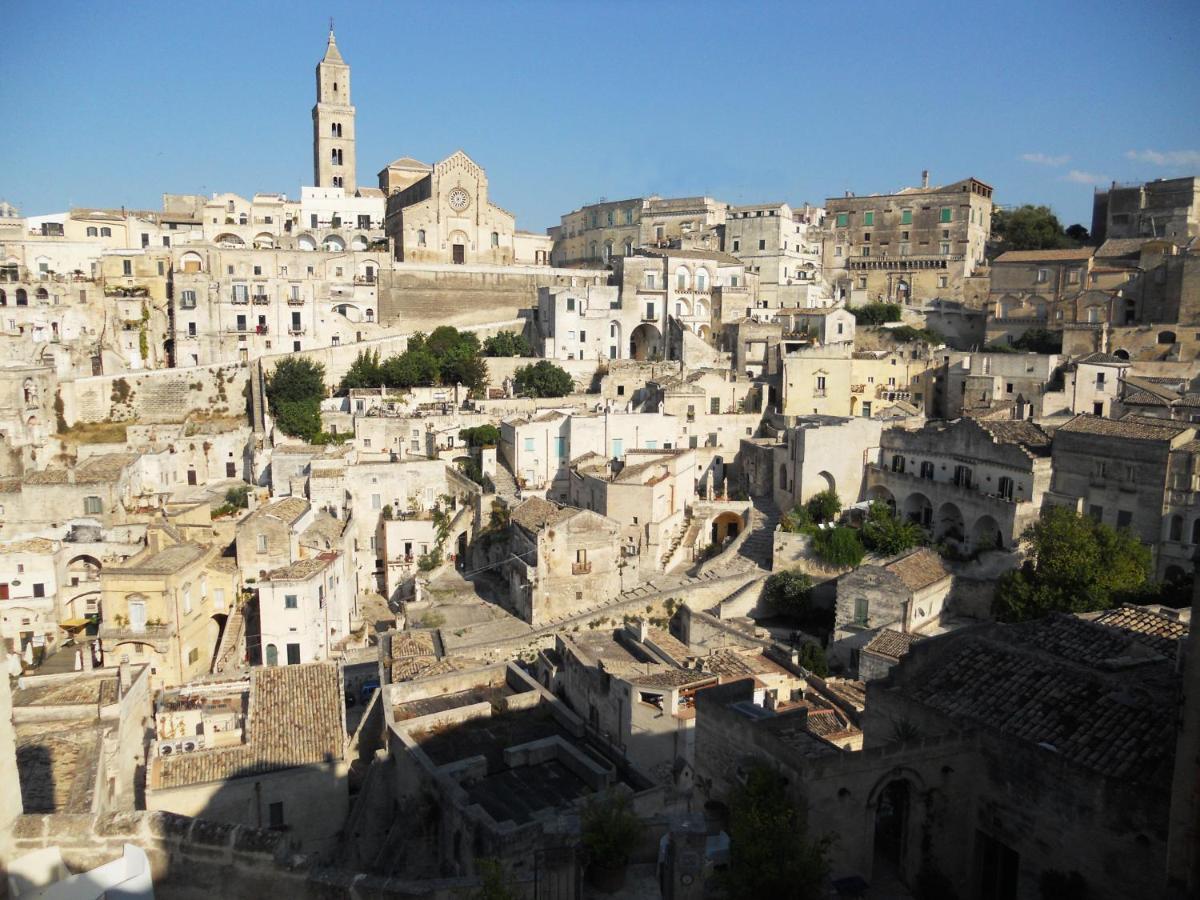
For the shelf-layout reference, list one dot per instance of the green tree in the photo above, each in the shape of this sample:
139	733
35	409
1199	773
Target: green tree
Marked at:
876	313
365	372
887	534
294	391
812	657
1039	340
907	334
481	436
770	852
542	379
411	368
824	507
789	593
507	343
461	364
238	496
838	547
1078	233
1075	564
1028	227
610	829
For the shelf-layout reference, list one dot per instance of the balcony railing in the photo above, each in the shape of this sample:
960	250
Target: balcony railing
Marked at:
581	568
241	300
261	299
296	329
295	301
119	632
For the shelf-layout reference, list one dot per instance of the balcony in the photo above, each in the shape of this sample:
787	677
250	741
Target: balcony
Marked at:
295	301
296	329
261	300
581	568
240	300
117	632
364	279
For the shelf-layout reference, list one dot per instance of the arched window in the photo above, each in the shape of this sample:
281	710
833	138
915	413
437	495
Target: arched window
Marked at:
1166	337
495	239
628	247
22	297
897	463
370	315
1176	532
272	655
682	279
93	231
421	237
702	279
43	294
607	251
105	231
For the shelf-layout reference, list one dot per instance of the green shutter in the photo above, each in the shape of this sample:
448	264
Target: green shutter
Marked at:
906	217
843	219
870	219
945	214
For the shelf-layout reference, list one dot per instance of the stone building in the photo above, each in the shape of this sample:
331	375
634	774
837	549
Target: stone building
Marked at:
444	216
968	734
976	482
305	609
1138	473
29	595
268	751
269	537
907	595
334	161
596	234
914	245
562	560
1164	208
168	605
976	383
782	246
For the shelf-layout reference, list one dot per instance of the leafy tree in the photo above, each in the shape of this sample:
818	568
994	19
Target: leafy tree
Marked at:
294	391
789	593
907	334
838	547
296	378
824	507
798	520
411	368
1078	233
770	852
887	534
1028	227
1075	564
365	372
610	829
812	657
238	496
461	364
876	313
507	343
542	379
481	436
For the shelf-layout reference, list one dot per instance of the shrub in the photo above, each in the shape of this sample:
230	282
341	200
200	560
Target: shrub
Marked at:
542	379
824	507
789	593
610	829
838	547
427	562
239	496
507	343
480	436
876	313
887	534
812	657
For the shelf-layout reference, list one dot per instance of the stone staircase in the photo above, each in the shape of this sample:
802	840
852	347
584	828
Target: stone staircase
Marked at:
759	546
677	537
506	485
231	651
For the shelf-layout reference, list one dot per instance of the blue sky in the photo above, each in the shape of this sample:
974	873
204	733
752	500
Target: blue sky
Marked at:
565	103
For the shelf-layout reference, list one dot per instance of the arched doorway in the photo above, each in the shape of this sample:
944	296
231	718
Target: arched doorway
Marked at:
986	535
917	508
878	493
950	522
830	481
725	527
646	342
893	809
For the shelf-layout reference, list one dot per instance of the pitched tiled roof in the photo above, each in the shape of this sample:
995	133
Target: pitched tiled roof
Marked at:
892	644
296	717
166	561
1103	359
1113	724
103	469
289	509
302	569
919	569
666	677
1137	428
1021	256
1016	431
1157	631
1124	246
535	514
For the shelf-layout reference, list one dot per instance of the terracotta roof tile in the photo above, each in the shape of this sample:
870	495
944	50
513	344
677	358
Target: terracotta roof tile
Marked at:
919	569
889	643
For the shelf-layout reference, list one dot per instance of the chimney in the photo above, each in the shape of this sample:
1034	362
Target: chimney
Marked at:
924	178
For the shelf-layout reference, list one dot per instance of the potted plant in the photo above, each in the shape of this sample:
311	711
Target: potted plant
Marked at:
610	829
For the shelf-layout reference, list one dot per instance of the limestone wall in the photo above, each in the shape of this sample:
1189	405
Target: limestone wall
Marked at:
155	397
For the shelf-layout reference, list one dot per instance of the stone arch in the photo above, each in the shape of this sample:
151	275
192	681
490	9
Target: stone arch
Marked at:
191	261
950	522
229	240
701	310
704	331
358	242
682	307
986	534
726	526
1121	353
879	493
918	508
264	240
646	342
1166	337
333	243
42	294
272	655
830	481
306	242
22	297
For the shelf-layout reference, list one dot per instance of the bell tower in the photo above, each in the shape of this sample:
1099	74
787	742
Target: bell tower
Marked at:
333	122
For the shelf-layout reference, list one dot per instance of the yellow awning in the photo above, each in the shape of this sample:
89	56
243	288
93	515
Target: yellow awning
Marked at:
73	623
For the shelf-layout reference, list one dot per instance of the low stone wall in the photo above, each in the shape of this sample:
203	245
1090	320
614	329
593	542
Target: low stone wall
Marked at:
192	858
156	396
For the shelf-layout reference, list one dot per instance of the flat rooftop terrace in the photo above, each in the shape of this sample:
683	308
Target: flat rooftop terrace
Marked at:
490	736
518	793
487	693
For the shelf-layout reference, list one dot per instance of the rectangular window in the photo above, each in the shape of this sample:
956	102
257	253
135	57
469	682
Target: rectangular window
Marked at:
376	501
861	611
651	445
945	248
290	601
762	245
1124	518
946	214
39	590
737	245
714	405
293	654
618	447
193	655
869	218
906	217
262	543
843	219
528	445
